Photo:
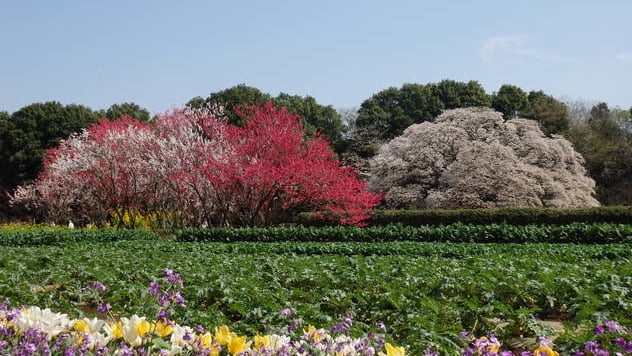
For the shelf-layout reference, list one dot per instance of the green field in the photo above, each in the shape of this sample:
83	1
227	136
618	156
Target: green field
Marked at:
426	293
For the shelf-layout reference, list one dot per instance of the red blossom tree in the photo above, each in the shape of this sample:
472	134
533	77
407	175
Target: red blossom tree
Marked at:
194	166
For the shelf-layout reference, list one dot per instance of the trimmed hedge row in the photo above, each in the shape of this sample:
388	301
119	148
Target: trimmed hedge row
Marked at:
505	233
405	248
513	216
48	236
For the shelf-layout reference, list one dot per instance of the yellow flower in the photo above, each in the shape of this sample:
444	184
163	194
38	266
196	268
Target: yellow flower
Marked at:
206	341
135	329
237	344
222	335
163	329
143	327
81	326
79	339
394	350
544	350
115	330
261	341
312	333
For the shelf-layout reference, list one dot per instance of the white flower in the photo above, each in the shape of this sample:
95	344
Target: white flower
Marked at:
135	329
277	342
43	319
179	334
93	328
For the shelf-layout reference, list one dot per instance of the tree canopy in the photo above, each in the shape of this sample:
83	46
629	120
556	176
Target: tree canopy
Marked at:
34	128
510	100
389	112
453	94
132	110
194	166
230	99
392	110
472	158
550	113
607	149
315	117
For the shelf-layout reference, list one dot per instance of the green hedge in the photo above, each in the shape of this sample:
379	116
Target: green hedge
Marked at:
513	216
55	236
572	233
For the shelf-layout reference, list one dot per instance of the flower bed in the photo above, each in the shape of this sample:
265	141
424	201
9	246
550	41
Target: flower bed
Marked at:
36	331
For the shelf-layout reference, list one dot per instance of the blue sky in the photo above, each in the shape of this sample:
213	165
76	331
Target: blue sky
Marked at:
159	54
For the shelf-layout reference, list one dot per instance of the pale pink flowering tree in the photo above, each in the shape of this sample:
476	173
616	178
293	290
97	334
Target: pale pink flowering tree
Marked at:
472	158
99	172
187	139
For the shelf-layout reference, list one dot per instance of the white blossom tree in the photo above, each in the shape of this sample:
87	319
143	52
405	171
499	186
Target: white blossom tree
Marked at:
472	158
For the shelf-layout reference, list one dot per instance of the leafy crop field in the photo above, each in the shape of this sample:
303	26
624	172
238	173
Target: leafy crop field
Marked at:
426	293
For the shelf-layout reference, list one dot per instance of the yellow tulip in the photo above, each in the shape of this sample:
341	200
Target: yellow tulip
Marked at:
262	341
135	329
312	333
79	339
222	335
394	350
544	350
205	341
115	330
81	326
237	344
163	329
143	327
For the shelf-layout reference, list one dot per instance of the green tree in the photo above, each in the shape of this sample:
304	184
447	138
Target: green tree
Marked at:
510	100
607	149
392	110
127	109
35	128
231	98
4	159
623	118
455	94
315	117
551	114
4	126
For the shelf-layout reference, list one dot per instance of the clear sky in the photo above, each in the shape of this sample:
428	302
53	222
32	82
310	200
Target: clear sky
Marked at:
161	53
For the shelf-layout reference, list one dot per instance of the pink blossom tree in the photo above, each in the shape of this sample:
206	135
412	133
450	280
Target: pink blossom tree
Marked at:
191	165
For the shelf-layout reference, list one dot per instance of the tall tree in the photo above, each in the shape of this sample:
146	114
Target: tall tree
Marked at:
315	117
34	128
392	110
4	131
127	109
4	159
231	98
550	113
510	100
455	94
623	118
472	158
607	149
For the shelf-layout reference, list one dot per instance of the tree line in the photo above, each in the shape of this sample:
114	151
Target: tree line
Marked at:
601	134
